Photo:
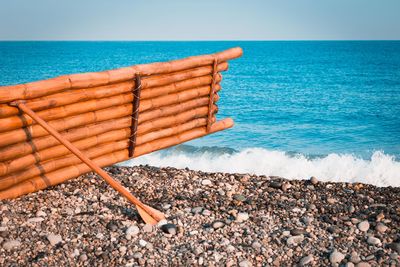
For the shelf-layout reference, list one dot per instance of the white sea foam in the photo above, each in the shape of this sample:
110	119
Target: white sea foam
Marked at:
381	169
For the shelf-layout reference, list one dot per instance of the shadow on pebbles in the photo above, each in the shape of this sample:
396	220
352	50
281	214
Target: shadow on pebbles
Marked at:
214	219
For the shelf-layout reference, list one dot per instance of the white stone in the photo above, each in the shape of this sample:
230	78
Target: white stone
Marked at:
242	216
206	182
40	213
148	228
363	226
245	263
122	250
54	239
336	257
131	231
230	249
35	219
100	236
11	244
142	243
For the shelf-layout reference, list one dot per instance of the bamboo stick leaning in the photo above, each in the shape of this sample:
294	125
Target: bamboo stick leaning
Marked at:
149	215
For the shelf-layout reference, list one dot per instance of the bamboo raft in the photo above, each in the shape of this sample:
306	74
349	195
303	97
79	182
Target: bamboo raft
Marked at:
58	129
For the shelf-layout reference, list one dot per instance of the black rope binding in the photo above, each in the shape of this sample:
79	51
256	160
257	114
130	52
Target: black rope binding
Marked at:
135	114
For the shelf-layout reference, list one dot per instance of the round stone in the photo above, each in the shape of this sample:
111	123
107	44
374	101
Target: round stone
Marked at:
363	226
245	263
373	241
131	231
275	184
381	228
336	257
148	228
206	182
218	224
242	216
314	180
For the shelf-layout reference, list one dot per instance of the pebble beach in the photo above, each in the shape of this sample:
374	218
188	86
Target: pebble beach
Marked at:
213	219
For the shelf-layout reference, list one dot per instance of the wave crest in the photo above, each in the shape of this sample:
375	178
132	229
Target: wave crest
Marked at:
380	170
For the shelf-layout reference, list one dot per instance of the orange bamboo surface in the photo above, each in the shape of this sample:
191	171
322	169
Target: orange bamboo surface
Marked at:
62	175
15	122
18	135
79	95
40	143
59	84
96	151
60	150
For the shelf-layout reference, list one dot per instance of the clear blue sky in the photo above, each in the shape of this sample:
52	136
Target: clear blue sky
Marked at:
199	20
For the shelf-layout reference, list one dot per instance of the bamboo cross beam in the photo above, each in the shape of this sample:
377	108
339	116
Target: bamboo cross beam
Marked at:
148	214
135	114
212	93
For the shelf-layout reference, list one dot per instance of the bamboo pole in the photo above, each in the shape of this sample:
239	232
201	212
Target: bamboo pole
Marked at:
53	178
148	214
59	84
40	143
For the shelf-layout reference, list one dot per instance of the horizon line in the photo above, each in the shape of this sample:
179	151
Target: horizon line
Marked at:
183	40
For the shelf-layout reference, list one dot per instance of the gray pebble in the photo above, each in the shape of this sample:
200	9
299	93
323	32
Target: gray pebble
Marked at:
11	244
239	197
306	260
295	240
197	210
374	241
83	257
245	263
137	255
276	185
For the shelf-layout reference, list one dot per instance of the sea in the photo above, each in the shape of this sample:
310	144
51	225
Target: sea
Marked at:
329	109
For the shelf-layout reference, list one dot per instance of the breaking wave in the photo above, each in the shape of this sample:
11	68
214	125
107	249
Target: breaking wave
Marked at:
380	169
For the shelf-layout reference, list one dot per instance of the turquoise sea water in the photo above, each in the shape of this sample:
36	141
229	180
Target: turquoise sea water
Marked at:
330	109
